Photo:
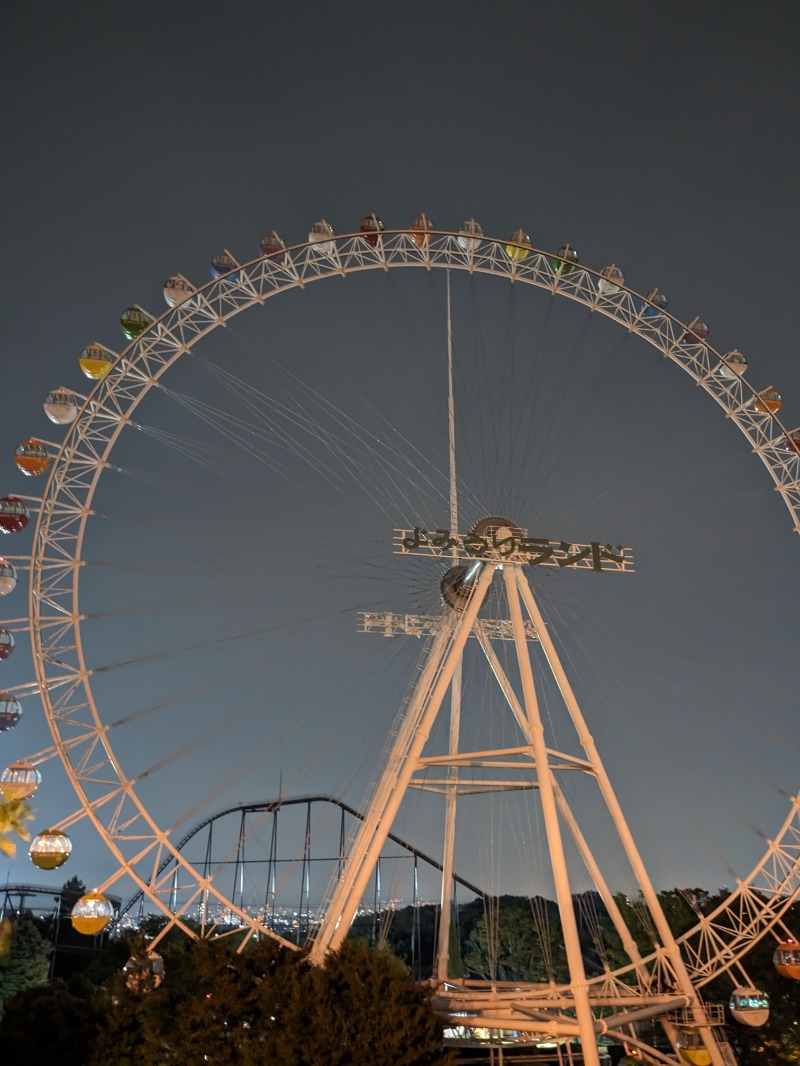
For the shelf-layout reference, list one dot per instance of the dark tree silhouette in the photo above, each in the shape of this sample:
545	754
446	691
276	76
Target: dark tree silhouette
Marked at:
42	1026
25	960
269	1005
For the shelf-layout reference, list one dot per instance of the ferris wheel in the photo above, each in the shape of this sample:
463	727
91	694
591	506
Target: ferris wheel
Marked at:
321	461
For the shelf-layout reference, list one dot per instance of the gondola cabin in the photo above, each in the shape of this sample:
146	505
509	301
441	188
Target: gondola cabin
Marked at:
144	972
696	332
733	365
10	714
567	260
177	290
518	246
223	265
691	1048
749	1006
469	236
7	643
61	406
787	959
457	585
8	577
371	229
13	514
768	401
133	322
420	229
92	913
20	780
50	849
656	304
320	235
95	360
273	247
610	280
31	457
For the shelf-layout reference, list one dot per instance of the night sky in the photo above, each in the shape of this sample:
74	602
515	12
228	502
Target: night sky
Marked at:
139	140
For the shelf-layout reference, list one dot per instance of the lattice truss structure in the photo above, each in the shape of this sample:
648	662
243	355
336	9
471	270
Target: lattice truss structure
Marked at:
109	799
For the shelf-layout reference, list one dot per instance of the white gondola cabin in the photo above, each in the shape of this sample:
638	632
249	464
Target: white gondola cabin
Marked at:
320	235
8	577
610	280
469	236
20	780
733	365
749	1006
61	406
177	290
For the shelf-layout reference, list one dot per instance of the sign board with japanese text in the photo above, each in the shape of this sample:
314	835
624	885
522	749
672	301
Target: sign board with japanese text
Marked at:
514	546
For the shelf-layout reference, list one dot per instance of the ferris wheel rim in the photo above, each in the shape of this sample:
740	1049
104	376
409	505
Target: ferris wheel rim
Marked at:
142	363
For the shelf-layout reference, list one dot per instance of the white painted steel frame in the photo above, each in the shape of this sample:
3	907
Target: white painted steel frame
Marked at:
107	797
541	768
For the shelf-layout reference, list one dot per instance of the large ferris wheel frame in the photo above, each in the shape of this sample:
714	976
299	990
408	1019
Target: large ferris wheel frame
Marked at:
108	798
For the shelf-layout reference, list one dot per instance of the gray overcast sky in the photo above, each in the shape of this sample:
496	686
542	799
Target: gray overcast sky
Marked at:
138	140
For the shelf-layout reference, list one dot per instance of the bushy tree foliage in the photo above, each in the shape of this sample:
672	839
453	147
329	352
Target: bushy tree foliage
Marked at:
506	938
47	1025
74	887
25	961
408	932
514	941
268	1005
367	1010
